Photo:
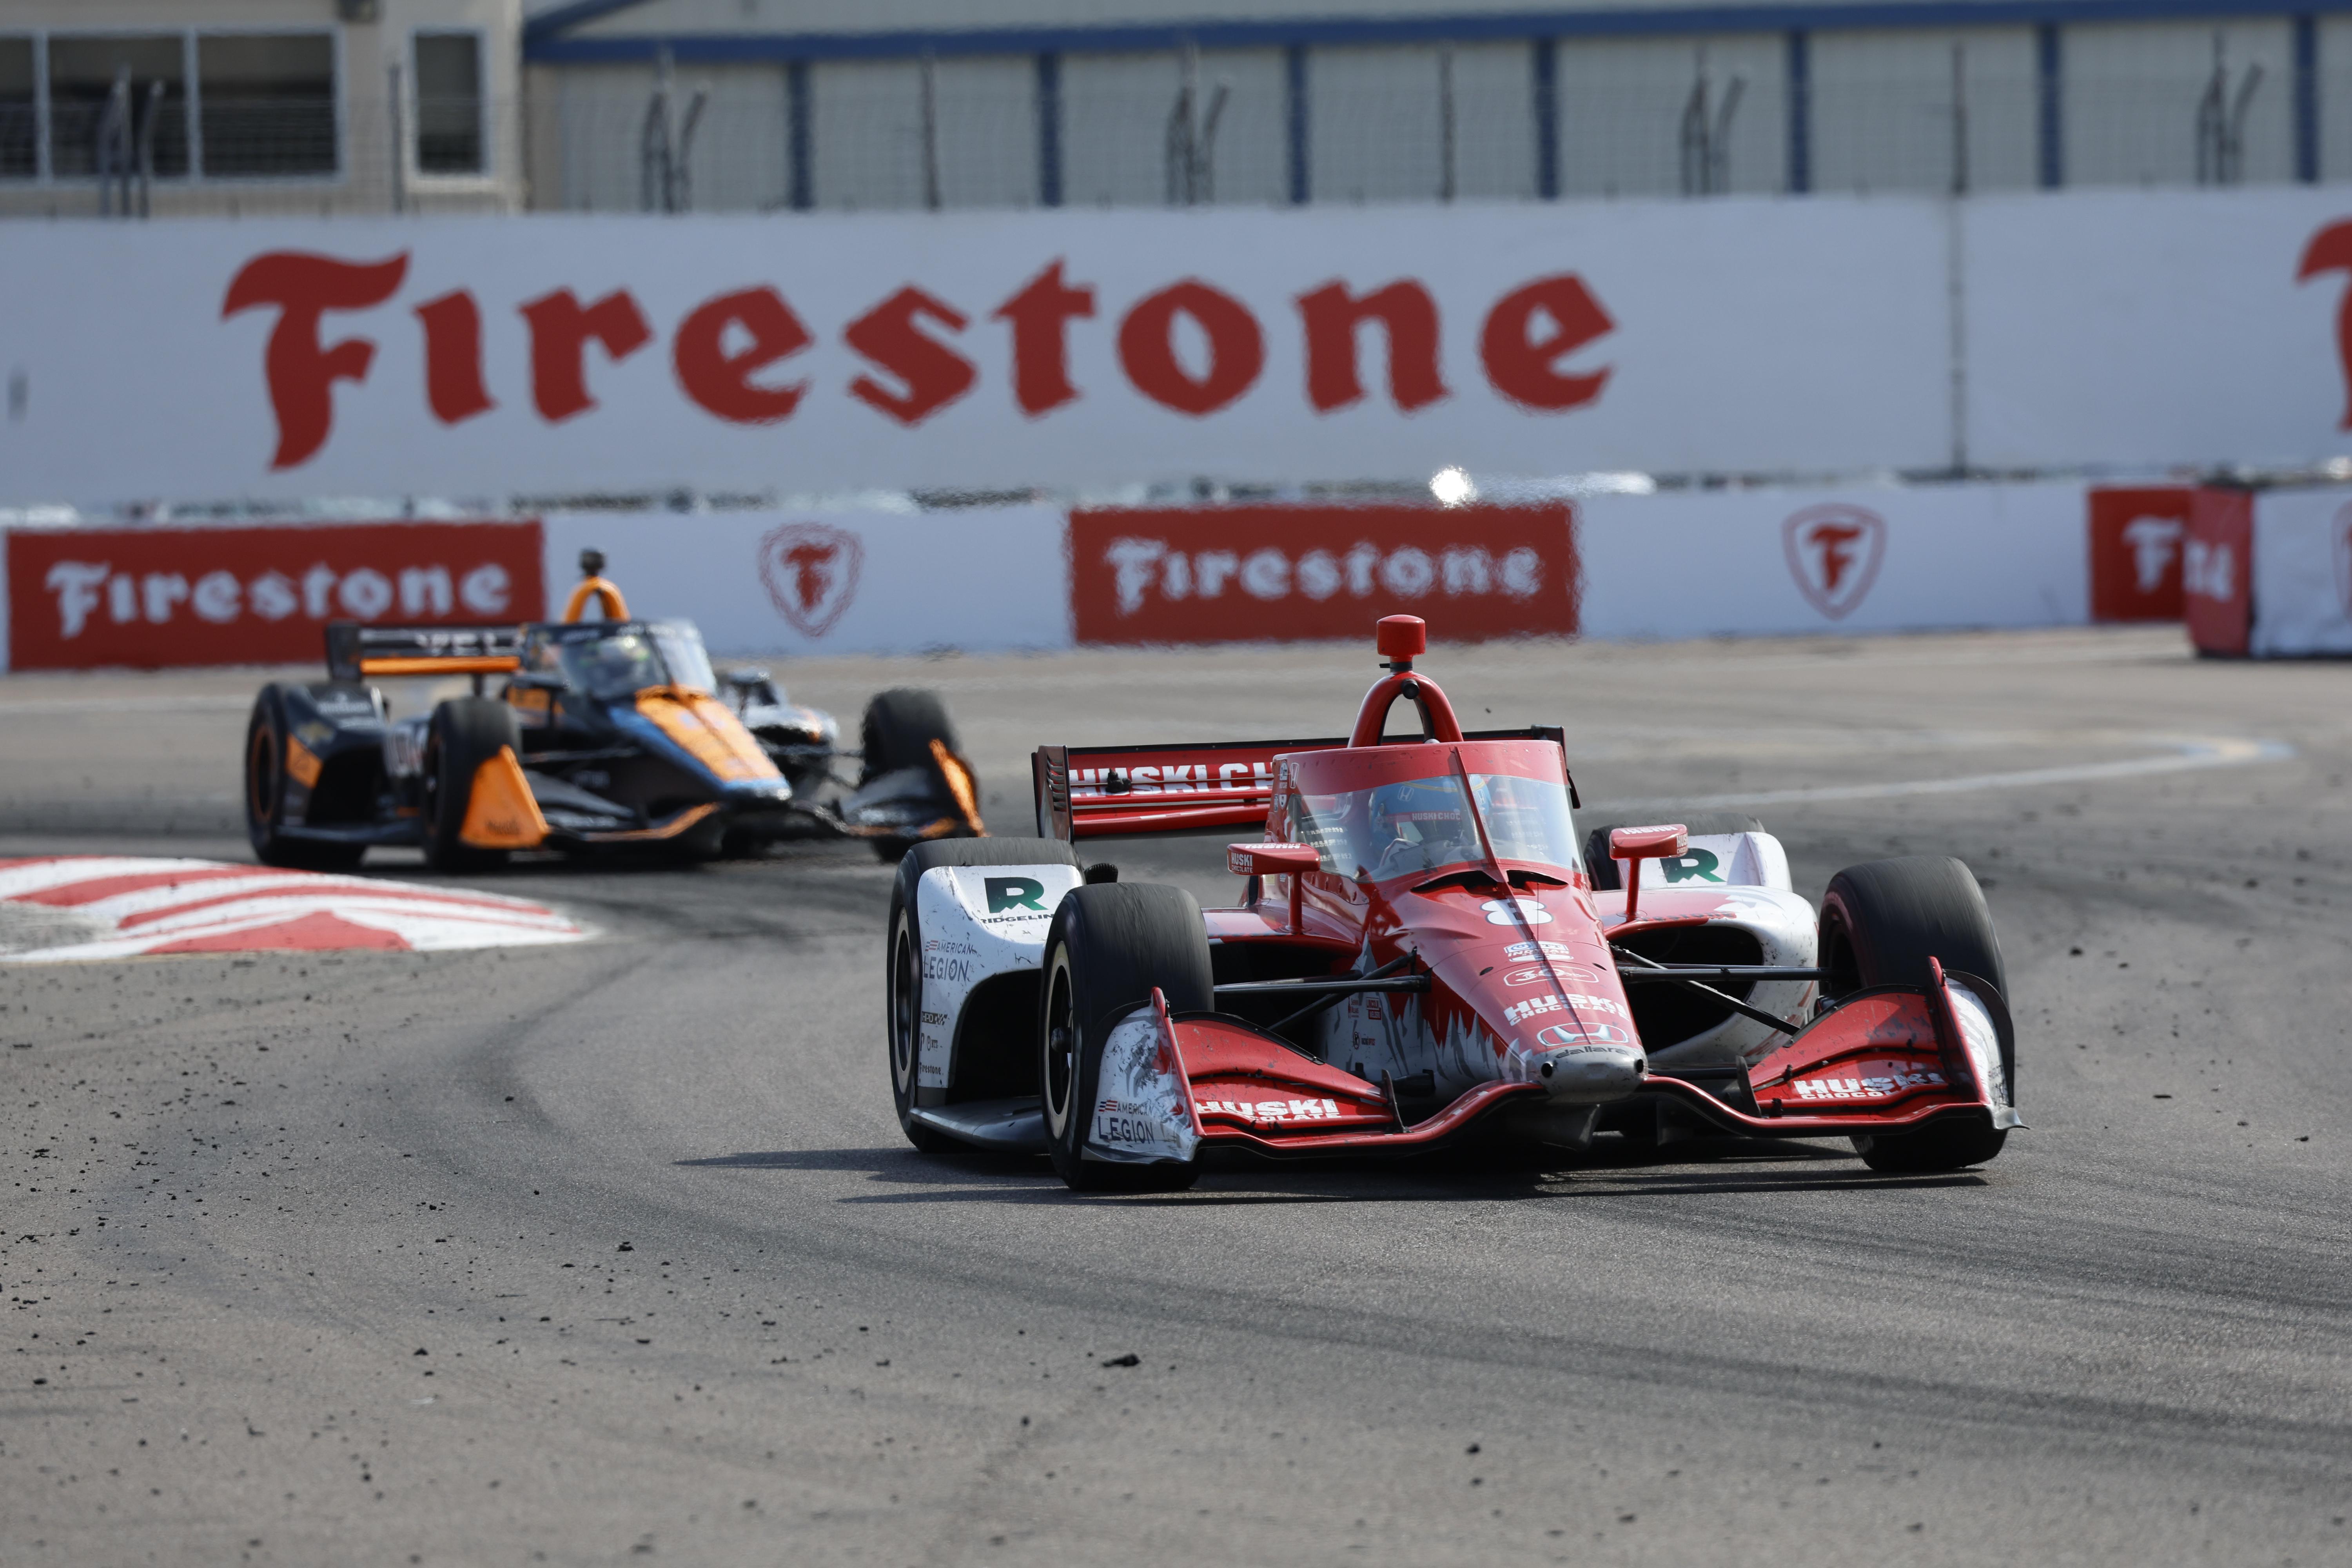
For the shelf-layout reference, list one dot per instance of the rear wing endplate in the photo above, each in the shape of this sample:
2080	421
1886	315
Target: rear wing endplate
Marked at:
1100	792
356	652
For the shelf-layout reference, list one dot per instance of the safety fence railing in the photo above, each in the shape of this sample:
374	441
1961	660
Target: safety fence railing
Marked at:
1256	127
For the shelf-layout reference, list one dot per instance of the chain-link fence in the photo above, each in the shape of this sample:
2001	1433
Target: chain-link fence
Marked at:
1529	120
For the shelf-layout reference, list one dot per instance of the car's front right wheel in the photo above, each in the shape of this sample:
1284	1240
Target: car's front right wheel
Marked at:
1881	923
465	733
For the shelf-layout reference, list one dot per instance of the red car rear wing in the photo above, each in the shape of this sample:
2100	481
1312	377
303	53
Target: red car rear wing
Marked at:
1100	791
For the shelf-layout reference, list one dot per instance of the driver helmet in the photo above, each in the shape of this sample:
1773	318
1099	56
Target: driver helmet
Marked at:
623	661
1428	812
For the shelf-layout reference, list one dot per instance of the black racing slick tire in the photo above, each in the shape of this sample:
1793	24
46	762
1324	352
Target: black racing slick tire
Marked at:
1881	921
1110	945
265	796
1603	870
465	733
902	965
898	731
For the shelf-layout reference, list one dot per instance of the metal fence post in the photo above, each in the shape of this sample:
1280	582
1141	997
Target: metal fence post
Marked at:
396	118
1959	120
1294	62
801	194
930	131
1446	139
1545	65
1801	112
1049	129
2306	100
2050	81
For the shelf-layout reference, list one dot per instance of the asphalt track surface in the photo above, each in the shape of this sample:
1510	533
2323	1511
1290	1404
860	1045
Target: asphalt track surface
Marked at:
614	1252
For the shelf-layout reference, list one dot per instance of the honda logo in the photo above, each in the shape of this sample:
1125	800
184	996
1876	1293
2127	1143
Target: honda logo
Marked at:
1834	552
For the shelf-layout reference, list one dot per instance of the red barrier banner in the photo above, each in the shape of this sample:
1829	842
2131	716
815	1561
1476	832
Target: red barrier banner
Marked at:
1292	573
2137	539
149	598
2217	571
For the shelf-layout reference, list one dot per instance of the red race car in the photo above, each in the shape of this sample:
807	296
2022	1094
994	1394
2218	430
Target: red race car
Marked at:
1425	953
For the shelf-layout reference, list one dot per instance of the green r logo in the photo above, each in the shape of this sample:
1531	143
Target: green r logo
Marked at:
1699	865
1017	893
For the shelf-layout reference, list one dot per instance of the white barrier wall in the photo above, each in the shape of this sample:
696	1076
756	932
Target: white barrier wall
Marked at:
1874	559
2301	573
1747	561
829	353
1753	562
834	582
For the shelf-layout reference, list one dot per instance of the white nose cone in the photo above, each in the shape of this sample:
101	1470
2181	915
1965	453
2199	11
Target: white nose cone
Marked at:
1591	1073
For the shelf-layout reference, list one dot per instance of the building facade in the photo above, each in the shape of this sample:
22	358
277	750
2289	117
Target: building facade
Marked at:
236	107
228	107
861	104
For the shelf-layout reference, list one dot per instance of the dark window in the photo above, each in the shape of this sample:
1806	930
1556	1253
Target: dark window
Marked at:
450	103
91	128
268	103
19	136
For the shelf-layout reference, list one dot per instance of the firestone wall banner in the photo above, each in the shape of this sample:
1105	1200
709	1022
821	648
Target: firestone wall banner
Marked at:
151	598
815	354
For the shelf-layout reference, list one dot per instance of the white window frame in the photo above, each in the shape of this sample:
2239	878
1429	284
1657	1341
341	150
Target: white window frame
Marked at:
413	112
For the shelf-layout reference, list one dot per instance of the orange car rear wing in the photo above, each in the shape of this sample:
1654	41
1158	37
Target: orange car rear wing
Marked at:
356	652
1100	792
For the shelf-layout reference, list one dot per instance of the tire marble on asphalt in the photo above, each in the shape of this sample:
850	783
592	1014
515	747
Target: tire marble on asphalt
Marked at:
614	1252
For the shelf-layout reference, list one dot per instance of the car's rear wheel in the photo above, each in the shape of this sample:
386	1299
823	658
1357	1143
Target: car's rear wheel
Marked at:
465	733
902	975
1111	944
265	796
1699	824
1881	923
901	729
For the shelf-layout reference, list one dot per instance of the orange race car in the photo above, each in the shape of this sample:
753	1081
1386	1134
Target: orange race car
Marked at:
606	732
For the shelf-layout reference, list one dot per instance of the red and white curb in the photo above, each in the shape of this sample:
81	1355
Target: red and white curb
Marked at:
68	908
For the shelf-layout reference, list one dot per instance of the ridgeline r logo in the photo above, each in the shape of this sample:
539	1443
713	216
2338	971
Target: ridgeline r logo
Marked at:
1016	893
1699	865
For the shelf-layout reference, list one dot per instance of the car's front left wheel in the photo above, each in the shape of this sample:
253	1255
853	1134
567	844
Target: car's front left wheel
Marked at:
1110	946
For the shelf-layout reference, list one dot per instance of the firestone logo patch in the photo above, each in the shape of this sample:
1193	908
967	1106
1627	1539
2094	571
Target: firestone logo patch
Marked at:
809	570
1834	552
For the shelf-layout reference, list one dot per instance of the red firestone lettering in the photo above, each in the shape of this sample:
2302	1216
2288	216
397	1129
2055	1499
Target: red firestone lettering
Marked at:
1147	351
721	380
560	330
1523	358
2330	250
302	371
453	358
1041	314
934	375
1332	316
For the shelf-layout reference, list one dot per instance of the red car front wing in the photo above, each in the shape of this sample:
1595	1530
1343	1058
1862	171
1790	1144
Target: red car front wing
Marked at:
1886	1060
